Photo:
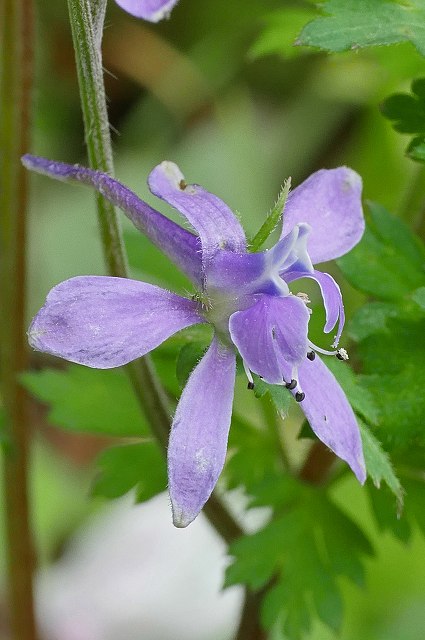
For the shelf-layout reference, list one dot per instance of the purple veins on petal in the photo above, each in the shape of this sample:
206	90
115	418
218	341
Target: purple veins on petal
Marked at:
106	322
181	246
198	439
330	414
330	202
212	219
271	335
152	10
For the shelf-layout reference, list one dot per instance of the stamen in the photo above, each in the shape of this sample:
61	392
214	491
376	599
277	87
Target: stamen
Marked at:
342	354
320	350
250	384
311	355
291	385
299	396
303	296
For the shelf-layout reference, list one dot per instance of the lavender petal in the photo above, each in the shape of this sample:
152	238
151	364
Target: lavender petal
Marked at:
330	414
152	10
105	322
330	202
212	219
332	299
181	246
271	336
198	439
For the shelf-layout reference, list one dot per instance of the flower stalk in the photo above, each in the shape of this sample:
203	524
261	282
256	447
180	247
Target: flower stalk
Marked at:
86	35
16	67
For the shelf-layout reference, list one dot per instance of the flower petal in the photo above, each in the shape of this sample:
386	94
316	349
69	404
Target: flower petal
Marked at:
330	202
180	245
198	439
212	219
260	272
271	336
330	414
152	10
105	322
332	299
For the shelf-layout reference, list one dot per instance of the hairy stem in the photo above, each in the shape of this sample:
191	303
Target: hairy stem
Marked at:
152	398
16	66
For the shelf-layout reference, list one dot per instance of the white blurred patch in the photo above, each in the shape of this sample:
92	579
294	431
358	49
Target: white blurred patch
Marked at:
130	575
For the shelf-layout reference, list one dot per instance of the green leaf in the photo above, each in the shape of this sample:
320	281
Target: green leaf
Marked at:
252	456
88	400
279	395
352	24
378	465
386	516
393	364
304	550
416	149
127	466
418	296
272	220
360	398
389	260
407	111
280	31
189	356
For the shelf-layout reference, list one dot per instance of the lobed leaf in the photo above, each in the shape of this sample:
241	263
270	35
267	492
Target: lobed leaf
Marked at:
88	400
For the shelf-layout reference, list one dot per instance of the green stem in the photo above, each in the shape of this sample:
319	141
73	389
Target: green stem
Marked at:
147	388
16	67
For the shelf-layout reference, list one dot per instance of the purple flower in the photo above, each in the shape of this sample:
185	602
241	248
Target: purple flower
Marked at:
106	322
152	10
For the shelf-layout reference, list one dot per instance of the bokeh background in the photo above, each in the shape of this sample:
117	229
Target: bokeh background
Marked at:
195	90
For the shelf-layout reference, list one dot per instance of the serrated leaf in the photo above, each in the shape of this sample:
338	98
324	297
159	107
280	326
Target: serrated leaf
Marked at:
378	465
388	262
407	111
125	467
304	550
393	365
353	24
88	400
360	398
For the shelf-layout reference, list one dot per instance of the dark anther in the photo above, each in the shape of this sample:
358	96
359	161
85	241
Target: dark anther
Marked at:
250	385
299	396
340	356
311	355
182	184
291	385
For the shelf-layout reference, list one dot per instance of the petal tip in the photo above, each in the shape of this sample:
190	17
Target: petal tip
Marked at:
181	518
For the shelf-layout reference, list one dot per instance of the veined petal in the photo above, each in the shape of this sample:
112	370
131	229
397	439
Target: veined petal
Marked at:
260	272
330	202
152	10
272	335
330	414
212	219
332	299
198	439
180	245
105	322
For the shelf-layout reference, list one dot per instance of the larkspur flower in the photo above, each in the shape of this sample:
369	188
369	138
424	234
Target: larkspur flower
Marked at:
151	10
105	322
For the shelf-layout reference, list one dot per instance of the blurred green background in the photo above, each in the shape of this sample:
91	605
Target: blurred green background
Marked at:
192	90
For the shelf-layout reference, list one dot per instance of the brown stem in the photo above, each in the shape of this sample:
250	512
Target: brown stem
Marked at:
16	18
317	464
